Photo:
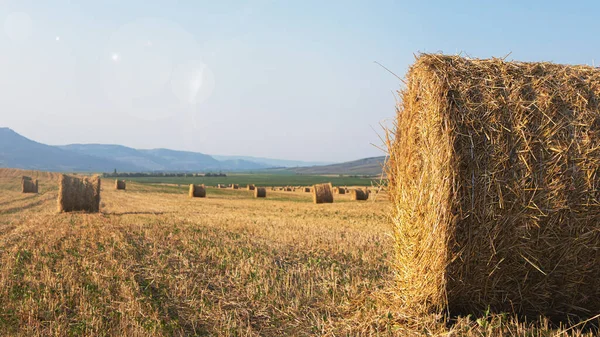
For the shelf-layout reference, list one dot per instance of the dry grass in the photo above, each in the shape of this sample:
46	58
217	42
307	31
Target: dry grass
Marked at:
493	177
155	263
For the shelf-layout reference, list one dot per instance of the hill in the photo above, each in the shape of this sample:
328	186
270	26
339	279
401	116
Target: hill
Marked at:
366	166
270	162
17	151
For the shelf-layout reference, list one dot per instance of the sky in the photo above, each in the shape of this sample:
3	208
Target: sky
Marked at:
279	79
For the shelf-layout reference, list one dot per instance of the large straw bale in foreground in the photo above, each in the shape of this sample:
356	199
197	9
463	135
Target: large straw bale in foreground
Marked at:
120	184
197	191
260	192
29	185
494	177
79	194
322	193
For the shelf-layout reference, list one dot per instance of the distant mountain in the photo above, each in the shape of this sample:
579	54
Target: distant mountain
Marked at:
163	159
17	151
148	160
367	166
121	154
268	162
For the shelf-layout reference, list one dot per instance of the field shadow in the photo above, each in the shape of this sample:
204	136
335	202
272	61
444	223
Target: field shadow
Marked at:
22	208
17	200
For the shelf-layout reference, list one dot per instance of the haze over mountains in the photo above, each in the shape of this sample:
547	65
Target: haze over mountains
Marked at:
17	151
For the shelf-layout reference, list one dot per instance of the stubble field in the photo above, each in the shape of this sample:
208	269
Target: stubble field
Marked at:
155	262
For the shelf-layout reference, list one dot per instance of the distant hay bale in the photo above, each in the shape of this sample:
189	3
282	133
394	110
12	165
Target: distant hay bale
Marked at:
260	192
493	174
235	186
79	194
197	191
306	189
28	185
251	187
359	194
322	193
287	189
221	186
120	184
339	190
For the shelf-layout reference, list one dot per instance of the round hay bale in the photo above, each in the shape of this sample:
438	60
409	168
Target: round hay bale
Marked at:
197	191
251	187
260	192
120	184
322	193
79	194
28	185
235	186
306	189
493	180
359	194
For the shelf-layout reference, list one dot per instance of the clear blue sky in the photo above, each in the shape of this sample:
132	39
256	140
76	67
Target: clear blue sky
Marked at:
281	79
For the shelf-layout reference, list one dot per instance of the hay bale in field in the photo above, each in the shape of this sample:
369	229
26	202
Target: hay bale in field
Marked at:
493	173
251	187
29	185
359	194
197	191
120	184
306	189
322	193
260	192
235	186
340	190
79	194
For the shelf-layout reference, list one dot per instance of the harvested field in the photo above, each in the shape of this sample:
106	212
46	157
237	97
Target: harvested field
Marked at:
154	263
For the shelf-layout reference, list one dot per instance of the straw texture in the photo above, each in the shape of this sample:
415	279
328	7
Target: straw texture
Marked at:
493	174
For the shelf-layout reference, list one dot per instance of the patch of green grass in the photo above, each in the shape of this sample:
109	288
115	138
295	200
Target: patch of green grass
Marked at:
261	179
